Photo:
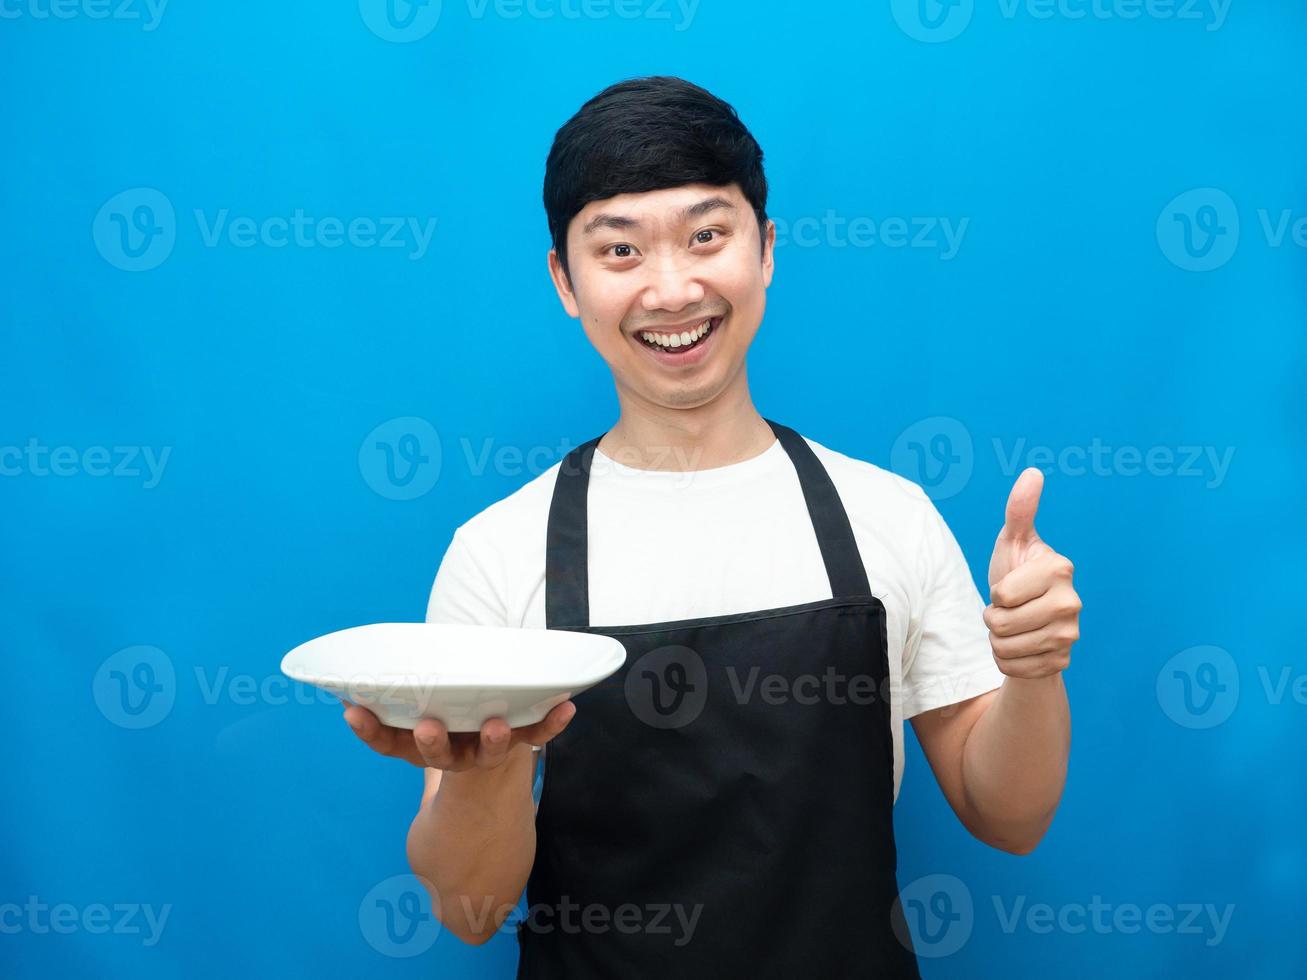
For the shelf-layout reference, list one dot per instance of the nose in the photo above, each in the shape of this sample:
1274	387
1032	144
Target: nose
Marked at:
671	286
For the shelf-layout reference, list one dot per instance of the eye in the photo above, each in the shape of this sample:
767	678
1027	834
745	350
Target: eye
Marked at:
630	250
700	239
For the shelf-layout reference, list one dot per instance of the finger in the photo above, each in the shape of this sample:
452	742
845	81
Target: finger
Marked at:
1031	579
437	746
494	743
1053	638
547	727
361	720
1055	604
1022	503
383	739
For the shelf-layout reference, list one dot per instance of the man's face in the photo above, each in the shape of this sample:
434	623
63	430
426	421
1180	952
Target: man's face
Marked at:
664	263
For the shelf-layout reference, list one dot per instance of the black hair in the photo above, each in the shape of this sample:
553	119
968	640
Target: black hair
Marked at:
648	134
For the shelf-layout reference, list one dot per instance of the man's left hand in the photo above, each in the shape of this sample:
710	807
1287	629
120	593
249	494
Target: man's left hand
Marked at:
1034	611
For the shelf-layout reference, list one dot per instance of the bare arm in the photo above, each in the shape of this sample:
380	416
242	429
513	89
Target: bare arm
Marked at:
472	843
1001	759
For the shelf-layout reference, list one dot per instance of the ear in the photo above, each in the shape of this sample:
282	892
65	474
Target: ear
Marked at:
562	286
769	245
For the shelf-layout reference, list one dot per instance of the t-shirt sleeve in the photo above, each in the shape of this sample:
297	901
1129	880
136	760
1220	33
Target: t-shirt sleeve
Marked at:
947	657
464	590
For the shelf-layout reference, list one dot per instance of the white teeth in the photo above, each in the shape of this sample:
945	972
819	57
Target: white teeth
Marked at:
674	340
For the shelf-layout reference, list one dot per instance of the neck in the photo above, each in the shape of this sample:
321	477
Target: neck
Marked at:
725	430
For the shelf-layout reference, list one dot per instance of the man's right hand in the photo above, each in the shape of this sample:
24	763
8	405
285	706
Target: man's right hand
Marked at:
429	745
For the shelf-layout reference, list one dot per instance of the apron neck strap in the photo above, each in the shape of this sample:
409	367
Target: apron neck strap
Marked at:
567	582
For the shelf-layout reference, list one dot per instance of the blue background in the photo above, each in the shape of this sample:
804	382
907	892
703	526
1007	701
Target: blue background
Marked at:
1073	313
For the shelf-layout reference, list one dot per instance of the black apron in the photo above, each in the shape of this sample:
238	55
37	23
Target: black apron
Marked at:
722	806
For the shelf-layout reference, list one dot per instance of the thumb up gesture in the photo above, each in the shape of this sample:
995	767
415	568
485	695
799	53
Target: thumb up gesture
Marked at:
1034	611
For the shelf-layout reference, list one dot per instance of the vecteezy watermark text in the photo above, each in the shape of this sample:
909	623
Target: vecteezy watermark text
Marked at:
1099	459
935	21
672	919
406	21
942	235
122	462
63	918
305	231
148	12
1203	919
940	915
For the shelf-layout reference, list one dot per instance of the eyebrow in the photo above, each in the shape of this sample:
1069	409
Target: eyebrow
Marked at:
621	222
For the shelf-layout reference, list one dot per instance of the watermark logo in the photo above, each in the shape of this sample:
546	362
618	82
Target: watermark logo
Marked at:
932	21
396	917
400	459
400	21
939	914
667	687
1199	229
1199	687
135	687
935	453
135	230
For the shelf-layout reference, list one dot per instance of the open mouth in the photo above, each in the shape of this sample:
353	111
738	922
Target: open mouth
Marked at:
677	346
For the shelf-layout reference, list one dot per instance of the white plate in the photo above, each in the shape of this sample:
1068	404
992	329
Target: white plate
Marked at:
461	675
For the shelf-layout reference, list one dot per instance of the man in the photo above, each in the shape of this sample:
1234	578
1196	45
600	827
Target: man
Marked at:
783	607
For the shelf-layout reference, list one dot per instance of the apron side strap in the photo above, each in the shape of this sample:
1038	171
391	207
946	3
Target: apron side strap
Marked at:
839	548
567	581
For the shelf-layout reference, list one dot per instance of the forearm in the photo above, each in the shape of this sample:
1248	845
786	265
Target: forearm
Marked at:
474	843
1014	762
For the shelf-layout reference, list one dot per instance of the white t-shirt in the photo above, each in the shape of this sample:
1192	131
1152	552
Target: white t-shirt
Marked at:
668	545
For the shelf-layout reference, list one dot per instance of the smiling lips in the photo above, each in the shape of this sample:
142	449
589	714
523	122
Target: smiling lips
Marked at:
679	341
